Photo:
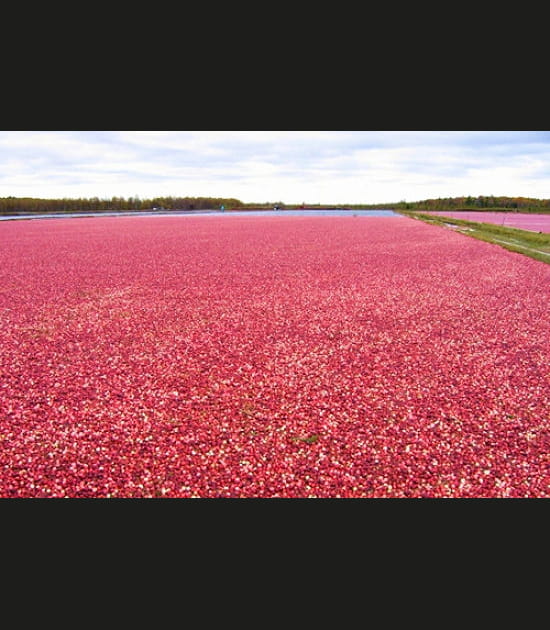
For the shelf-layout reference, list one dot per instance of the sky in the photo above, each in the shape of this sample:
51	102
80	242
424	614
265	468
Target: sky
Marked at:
326	167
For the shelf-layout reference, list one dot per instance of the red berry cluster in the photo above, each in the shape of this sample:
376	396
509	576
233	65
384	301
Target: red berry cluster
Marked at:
228	356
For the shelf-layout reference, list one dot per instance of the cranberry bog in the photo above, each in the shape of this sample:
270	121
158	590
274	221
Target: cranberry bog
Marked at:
270	357
523	221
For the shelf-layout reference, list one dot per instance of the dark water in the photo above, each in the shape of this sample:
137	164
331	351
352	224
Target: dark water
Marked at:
331	212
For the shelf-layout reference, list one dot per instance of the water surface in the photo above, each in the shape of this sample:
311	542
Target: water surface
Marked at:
330	212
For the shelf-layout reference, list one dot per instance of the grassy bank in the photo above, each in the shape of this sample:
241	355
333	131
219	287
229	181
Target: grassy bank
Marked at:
533	244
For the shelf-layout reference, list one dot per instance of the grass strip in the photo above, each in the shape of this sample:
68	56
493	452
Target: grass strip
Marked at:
533	244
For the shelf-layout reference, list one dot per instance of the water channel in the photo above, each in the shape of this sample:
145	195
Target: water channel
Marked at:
329	212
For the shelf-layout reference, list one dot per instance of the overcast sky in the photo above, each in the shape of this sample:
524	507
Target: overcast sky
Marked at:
329	167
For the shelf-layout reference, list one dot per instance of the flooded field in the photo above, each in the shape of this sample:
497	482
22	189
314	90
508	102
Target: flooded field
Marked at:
523	221
330	212
245	356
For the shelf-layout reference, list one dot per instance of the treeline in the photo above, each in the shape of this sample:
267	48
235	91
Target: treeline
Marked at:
523	204
23	205
94	204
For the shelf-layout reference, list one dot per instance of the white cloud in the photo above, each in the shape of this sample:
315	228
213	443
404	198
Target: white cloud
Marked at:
290	166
